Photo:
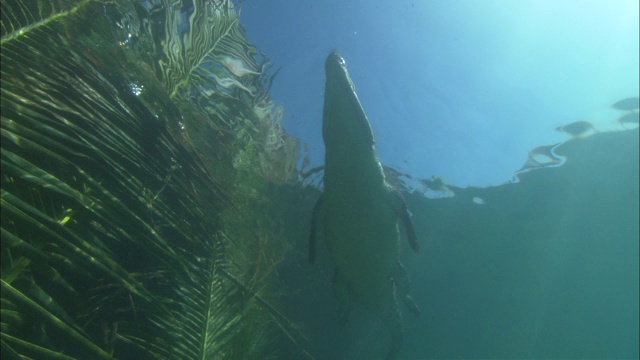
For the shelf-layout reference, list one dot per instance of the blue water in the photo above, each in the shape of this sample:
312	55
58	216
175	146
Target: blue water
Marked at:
461	90
545	268
529	264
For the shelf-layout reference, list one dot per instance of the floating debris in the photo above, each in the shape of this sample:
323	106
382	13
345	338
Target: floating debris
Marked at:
542	156
478	201
435	183
578	129
629	118
435	188
631	105
628	104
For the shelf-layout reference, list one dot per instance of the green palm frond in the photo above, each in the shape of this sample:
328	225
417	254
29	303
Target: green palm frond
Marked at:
205	58
57	324
21	17
114	215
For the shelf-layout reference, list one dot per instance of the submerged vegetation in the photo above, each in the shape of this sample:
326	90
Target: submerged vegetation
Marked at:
138	145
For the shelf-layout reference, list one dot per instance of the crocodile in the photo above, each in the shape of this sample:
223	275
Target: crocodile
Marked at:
358	212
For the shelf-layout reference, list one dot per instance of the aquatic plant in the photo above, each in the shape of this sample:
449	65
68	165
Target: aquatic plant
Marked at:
118	134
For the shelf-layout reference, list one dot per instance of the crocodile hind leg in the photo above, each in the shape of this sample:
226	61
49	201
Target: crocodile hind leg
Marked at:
403	286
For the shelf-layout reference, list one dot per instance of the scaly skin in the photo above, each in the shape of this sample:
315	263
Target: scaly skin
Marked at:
358	211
